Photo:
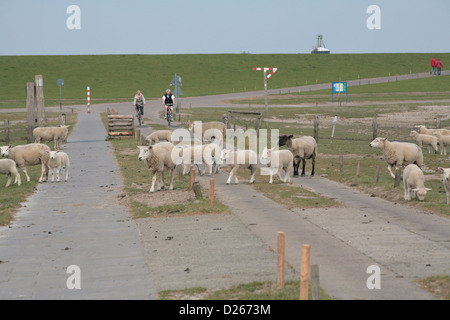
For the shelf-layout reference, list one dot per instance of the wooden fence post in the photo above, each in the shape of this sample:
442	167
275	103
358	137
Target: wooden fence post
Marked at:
280	262
375	128
341	163
316	128
397	178
304	277
191	177
377	174
358	168
31	117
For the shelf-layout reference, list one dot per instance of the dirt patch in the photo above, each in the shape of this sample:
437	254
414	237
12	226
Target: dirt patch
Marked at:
162	198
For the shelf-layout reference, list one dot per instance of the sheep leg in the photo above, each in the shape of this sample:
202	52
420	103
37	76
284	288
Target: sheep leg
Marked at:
296	165
9	180
313	159
155	176
162	183
24	169
233	173
52	174
253	172
390	171
171	178
67	171
303	167
58	173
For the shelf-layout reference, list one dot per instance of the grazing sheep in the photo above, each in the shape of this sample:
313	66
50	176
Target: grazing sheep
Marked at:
302	148
158	158
207	153
56	134
398	154
158	135
413	183
29	154
8	167
238	159
278	160
424	130
57	160
446	182
444	141
425	139
207	129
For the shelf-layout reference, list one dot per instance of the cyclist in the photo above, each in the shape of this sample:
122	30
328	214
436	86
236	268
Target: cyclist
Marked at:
139	102
168	101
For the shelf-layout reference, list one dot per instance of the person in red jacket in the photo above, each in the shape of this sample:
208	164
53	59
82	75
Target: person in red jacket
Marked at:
433	66
439	66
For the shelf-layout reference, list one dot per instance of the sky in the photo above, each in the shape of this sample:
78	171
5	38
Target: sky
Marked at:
53	27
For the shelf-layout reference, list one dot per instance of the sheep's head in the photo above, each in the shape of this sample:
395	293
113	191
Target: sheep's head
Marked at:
421	193
5	151
377	142
267	153
412	133
224	154
445	174
52	154
282	140
144	152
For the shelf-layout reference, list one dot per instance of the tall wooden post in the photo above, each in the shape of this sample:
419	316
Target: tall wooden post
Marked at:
31	115
40	100
280	262
304	277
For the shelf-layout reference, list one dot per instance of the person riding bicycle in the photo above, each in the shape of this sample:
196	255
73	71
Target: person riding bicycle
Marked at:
168	101
139	102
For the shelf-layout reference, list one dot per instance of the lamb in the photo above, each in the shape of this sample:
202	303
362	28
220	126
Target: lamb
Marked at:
302	148
278	160
8	167
158	135
205	151
56	134
158	158
444	141
426	139
57	160
413	182
194	127
29	154
238	159
398	154
446	182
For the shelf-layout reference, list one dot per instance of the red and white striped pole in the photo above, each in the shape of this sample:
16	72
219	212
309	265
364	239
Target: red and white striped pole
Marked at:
88	99
265	83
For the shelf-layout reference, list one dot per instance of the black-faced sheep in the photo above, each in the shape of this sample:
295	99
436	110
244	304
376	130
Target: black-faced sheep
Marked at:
398	154
302	148
413	183
29	155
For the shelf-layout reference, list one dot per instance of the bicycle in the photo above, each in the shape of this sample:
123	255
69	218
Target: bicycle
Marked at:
140	114
169	115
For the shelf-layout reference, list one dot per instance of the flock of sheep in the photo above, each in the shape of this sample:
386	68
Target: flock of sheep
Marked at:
37	153
399	154
162	155
158	156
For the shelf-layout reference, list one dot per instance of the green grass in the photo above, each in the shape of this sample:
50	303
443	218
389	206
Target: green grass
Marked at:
248	291
117	77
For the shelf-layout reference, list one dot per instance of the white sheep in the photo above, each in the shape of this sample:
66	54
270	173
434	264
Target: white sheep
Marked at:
199	154
278	160
413	183
446	182
424	130
444	141
425	139
158	159
158	135
8	167
55	134
57	160
208	129
398	154
29	154
304	147
238	159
